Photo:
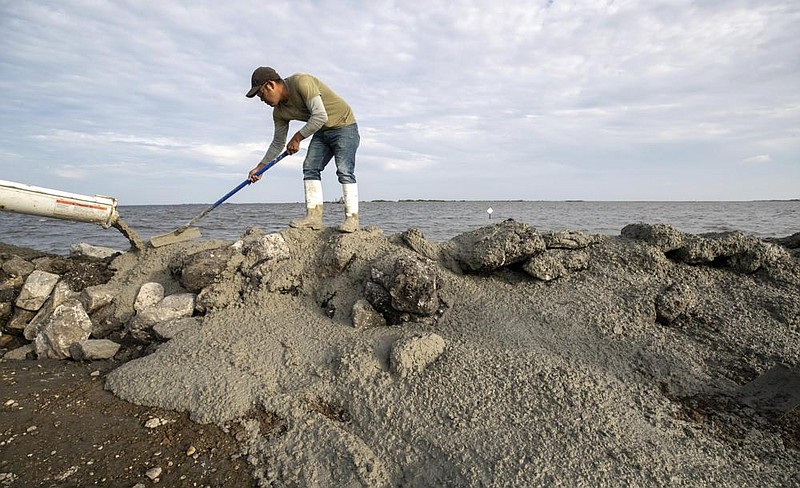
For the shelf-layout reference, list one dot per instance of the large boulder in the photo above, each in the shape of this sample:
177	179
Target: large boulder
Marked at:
96	297
84	250
406	289
267	247
171	307
68	325
203	268
105	321
735	250
16	266
149	295
568	239
21	352
36	290
19	320
93	350
663	236
61	294
556	263
494	246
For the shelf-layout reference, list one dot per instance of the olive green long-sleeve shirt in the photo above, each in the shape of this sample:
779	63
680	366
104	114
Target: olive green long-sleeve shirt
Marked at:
310	101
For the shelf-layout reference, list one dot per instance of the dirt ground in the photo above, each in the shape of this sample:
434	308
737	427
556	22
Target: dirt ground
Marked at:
60	428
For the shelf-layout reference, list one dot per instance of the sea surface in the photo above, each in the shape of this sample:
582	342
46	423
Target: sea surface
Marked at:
438	220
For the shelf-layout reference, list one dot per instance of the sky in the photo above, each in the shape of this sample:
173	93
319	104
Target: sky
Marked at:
144	100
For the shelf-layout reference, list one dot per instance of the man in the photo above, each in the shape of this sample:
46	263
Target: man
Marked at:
332	124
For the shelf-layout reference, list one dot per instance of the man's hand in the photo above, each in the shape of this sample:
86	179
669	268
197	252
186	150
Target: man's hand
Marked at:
252	176
294	143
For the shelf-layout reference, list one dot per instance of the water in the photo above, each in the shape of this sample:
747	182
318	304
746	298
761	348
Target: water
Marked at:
438	221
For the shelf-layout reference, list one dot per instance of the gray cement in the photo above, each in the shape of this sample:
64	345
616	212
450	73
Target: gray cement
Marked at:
583	379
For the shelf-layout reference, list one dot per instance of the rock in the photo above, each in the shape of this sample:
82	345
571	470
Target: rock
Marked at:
414	285
93	349
218	295
153	473
337	255
555	264
735	250
491	247
378	297
154	422
20	353
16	266
149	295
409	286
674	300
663	236
8	341
171	307
269	247
68	325
416	241
104	321
203	268
789	242
84	250
412	355
6	310
36	290
167	330
95	297
61	293
12	283
19	321
365	316
567	239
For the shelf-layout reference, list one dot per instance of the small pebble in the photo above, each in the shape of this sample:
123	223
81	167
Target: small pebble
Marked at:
153	423
153	473
95	373
191	450
32	428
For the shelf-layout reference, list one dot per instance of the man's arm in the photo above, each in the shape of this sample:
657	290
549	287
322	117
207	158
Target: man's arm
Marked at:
316	120
278	140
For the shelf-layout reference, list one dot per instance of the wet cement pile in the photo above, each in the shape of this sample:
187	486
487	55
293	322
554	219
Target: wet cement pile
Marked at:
501	357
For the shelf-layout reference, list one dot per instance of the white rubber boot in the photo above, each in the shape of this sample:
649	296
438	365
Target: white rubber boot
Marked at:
313	218
350	193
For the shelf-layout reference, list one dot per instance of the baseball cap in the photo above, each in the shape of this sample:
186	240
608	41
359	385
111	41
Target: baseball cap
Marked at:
260	76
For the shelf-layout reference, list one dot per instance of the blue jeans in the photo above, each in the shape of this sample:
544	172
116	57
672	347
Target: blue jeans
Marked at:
340	144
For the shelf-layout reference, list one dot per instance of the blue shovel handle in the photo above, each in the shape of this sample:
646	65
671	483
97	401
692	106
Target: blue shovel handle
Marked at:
247	181
231	193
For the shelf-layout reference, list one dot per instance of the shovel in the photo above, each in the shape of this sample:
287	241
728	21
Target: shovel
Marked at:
187	232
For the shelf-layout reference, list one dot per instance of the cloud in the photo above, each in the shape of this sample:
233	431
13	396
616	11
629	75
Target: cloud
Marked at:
539	97
757	160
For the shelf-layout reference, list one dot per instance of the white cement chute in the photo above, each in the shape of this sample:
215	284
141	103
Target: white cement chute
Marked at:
34	200
45	202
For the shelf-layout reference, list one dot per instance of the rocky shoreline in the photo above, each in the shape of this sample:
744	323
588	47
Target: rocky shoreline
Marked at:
502	356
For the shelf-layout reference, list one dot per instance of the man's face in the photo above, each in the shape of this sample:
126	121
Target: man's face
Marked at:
268	93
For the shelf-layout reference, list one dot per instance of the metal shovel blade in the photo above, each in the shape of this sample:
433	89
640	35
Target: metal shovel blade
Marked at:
176	236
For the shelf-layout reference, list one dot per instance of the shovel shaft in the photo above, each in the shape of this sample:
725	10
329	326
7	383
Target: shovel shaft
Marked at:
244	183
230	193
